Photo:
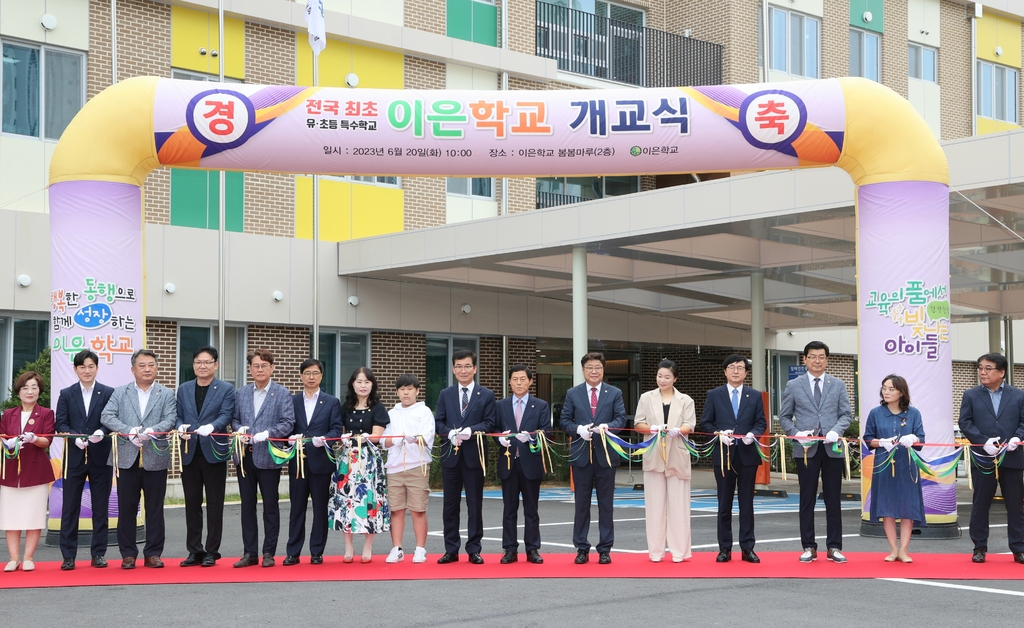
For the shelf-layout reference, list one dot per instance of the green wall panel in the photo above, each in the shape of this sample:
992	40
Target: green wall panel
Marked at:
195	198
460	19
877	10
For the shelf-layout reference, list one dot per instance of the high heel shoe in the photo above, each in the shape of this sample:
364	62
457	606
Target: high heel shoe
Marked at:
367	559
346	559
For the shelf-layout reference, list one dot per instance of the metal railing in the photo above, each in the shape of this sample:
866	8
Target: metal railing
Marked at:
596	46
551	199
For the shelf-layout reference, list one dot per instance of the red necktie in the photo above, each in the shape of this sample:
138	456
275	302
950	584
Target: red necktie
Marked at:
593	402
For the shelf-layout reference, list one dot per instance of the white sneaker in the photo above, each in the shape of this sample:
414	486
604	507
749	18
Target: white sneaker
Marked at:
395	556
420	556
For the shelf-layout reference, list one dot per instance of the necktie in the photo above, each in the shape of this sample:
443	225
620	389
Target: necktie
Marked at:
817	391
735	403
593	402
465	400
519	413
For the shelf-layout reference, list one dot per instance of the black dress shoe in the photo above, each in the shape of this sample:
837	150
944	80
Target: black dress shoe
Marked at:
750	557
68	564
247	560
316	559
476	558
290	560
533	556
582	556
979	555
209	560
268	560
99	562
1018	557
510	556
605	558
448	557
193	559
724	556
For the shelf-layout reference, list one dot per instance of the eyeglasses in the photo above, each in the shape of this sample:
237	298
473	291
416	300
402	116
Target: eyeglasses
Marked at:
266	366
311	374
204	362
987	369
815	358
736	369
464	367
593	369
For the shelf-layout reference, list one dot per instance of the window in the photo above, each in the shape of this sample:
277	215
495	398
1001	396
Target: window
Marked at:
43	89
864	54
30	338
390	181
997	92
921	63
477	188
189	75
794	43
588	188
342	353
439	363
231	358
473	20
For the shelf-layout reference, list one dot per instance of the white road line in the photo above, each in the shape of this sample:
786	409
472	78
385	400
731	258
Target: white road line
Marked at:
963	587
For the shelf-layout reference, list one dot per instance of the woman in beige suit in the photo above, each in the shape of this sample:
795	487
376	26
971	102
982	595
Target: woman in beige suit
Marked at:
667	465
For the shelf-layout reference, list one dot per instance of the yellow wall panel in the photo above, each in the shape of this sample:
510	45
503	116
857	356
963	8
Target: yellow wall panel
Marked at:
375	68
376	210
997	31
989	125
234	37
190	31
335	209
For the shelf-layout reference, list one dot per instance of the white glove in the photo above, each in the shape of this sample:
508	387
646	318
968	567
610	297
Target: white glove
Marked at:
411	439
803	434
453	436
748	439
504	442
133	437
96	437
205	430
726	437
990	446
293	438
183	431
831	437
1012	445
673	432
465	434
907	440
9	443
603	426
584	431
81	443
523	437
146	434
28	437
259	437
319	441
887	443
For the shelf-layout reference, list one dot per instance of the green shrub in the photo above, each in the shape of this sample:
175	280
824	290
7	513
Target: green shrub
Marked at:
41	365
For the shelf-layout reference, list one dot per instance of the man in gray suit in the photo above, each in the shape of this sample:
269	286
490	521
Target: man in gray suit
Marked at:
206	405
263	410
813	406
141	413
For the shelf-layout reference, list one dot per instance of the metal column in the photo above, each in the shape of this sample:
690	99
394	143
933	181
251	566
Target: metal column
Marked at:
579	311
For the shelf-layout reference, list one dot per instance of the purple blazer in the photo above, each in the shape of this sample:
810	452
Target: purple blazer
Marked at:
35	462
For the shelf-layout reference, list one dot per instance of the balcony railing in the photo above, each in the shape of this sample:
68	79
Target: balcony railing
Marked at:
551	199
588	44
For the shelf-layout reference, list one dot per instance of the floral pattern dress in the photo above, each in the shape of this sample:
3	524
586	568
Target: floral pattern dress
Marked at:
358	501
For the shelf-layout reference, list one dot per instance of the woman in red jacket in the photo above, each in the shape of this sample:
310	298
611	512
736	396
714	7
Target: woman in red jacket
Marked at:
26	482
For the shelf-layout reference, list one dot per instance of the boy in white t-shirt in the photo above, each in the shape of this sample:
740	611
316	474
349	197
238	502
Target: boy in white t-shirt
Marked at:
408	466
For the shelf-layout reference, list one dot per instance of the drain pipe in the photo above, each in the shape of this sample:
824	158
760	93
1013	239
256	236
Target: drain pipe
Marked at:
504	87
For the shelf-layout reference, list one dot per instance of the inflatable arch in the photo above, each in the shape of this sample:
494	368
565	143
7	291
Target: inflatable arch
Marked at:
902	179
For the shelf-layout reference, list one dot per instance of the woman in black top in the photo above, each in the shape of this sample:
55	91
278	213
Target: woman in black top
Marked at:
359	491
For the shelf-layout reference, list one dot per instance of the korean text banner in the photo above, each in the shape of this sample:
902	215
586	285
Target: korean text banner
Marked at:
325	130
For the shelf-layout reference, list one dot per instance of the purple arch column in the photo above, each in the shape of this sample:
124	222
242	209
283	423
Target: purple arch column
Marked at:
904	314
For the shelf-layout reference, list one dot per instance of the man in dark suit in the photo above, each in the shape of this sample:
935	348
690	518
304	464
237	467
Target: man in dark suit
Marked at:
520	469
79	407
317	415
992	417
817	405
589	408
463	409
731	410
263	410
205	406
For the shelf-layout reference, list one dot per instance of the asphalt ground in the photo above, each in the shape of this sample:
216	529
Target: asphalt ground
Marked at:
545	602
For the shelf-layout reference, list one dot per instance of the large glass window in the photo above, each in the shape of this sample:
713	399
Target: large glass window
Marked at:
439	363
31	337
192	337
864	54
795	42
553	191
342	353
41	84
997	92
476	187
921	63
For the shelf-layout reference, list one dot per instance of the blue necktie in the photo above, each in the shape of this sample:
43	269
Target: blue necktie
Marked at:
817	391
465	400
735	403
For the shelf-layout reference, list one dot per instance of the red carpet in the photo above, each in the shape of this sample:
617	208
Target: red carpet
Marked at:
702	565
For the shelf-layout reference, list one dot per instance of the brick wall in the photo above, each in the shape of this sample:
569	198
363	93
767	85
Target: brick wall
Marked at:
269	55
522	27
489	364
393	354
700	370
835	39
965	375
270	204
894	47
425	197
98	67
955	59
524	351
290	346
733	25
429	15
157	196
162	339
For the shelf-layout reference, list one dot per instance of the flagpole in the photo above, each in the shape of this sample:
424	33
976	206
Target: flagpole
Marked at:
221	213
315	332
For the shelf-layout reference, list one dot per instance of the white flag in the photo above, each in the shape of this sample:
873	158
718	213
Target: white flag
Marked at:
315	22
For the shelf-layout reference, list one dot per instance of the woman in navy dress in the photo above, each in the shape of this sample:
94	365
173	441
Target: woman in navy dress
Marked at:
896	490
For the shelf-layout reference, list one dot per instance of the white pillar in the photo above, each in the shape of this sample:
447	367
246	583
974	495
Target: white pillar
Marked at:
757	329
579	311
